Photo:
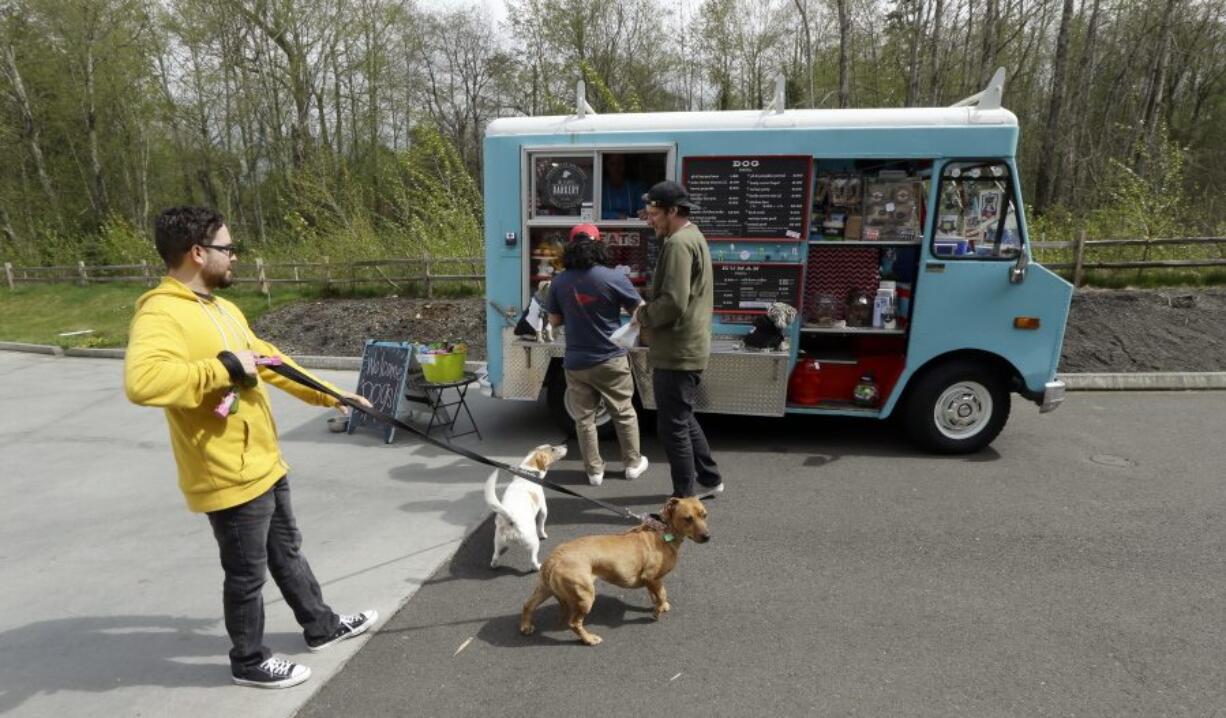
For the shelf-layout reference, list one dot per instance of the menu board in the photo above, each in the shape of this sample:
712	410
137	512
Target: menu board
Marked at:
751	197
752	288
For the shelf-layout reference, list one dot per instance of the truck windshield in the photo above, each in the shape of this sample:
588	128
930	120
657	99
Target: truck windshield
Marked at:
976	215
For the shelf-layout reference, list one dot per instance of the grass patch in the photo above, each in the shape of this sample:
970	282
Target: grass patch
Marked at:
38	313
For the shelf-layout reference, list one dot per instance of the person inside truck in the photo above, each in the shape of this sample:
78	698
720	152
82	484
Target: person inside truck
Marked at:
621	196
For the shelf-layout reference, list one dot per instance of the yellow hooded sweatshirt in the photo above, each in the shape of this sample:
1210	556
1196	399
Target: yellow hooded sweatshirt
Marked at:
172	362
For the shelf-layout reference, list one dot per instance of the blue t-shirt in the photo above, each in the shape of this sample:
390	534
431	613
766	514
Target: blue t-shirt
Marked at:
590	302
621	202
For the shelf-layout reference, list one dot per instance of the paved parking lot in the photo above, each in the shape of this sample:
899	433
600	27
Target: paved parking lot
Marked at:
1075	568
110	601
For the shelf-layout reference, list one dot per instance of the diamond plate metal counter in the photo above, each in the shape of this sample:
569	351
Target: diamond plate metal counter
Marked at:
735	382
525	363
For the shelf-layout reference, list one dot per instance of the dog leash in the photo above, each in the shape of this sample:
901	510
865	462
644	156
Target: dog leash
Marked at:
276	365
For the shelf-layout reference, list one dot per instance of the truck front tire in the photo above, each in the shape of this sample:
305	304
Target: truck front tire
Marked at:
958	407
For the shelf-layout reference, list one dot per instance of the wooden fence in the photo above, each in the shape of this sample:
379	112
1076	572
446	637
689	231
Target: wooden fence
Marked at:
424	273
1079	248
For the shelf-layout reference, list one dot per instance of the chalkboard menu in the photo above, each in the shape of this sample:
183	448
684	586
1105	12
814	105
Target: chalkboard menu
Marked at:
385	365
762	197
752	288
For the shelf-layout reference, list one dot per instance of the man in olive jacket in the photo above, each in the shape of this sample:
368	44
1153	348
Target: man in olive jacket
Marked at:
677	322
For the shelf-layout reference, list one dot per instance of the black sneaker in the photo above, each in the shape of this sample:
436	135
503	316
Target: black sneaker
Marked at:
276	672
348	627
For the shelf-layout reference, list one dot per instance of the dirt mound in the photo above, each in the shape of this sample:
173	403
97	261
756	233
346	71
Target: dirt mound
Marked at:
340	327
1109	330
1129	330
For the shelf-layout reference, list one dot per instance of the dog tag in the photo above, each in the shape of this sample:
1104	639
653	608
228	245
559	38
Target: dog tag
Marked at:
668	538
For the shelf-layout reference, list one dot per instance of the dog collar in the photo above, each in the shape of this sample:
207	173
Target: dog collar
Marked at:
655	524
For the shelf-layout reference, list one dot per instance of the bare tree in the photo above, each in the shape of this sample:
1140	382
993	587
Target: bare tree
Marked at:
1049	156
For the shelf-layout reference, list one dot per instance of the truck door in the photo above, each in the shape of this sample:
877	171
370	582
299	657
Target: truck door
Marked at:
977	290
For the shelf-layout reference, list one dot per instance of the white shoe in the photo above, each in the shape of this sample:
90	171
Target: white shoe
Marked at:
633	472
596	479
711	492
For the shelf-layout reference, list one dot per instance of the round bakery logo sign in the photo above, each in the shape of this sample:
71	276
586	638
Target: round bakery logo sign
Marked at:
565	185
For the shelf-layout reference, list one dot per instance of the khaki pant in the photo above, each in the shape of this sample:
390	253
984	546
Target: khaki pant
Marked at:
611	383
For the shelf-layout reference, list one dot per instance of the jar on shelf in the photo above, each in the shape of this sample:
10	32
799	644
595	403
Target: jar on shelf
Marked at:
866	393
824	310
859	309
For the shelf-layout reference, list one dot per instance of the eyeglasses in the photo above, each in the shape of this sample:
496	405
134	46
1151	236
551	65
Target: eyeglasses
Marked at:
230	249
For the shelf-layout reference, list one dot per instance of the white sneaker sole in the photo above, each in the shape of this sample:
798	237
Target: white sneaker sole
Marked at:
374	616
286	683
631	475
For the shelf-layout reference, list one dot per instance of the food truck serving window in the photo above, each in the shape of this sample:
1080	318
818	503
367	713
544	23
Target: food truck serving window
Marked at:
976	214
605	185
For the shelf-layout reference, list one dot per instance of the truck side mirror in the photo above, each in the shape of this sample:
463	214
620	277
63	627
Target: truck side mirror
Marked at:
1017	273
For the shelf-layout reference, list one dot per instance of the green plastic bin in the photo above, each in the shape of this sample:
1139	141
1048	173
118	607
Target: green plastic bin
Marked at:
444	368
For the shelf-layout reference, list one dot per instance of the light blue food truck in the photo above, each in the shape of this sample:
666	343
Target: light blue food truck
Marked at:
898	235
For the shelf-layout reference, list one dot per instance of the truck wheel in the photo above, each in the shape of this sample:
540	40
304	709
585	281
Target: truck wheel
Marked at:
957	408
562	410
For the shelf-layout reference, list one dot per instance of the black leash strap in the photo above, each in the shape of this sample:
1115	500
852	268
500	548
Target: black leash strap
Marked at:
293	374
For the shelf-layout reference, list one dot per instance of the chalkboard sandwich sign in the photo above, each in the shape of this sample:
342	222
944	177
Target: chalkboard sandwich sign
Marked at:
750	198
385	368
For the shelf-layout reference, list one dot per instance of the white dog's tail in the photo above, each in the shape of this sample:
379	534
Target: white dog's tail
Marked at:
491	495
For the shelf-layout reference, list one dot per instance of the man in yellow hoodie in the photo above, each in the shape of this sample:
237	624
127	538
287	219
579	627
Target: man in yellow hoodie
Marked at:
192	353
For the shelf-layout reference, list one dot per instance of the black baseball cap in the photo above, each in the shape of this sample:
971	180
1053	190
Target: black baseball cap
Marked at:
668	194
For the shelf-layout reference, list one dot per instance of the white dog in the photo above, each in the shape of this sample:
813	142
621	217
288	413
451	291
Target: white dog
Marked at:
542	299
520	516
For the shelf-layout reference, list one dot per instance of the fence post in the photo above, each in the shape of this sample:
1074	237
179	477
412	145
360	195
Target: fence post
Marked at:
259	270
83	277
8	273
144	270
429	284
1079	253
296	277
327	274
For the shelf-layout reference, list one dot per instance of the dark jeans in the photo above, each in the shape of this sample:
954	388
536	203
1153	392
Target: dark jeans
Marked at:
689	456
254	538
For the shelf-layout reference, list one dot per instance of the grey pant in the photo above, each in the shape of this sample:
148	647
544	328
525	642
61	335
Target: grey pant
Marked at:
609	382
689	456
253	538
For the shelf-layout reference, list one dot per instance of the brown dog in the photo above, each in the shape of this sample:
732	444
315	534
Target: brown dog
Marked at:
642	556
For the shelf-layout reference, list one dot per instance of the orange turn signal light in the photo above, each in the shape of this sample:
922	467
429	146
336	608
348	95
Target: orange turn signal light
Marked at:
1025	322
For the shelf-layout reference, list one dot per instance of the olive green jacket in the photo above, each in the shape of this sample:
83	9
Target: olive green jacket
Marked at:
677	320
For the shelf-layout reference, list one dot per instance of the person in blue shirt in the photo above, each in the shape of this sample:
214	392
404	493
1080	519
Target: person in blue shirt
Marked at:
588	298
620	197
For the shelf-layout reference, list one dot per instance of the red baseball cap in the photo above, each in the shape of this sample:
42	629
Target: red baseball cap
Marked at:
587	229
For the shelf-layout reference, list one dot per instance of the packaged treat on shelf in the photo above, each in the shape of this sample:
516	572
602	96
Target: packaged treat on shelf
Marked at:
891	207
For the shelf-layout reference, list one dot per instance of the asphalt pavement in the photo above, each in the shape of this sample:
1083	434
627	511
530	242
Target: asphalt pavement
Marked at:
1075	568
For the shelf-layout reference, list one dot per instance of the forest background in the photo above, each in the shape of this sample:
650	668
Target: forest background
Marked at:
352	128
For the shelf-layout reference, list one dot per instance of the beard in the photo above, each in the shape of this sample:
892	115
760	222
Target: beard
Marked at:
217	277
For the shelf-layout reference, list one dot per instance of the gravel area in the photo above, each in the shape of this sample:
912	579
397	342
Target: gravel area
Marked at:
1109	330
